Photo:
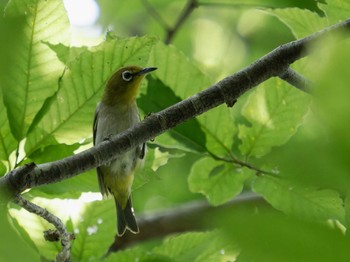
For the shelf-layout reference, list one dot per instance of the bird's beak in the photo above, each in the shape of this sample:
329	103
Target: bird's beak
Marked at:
145	71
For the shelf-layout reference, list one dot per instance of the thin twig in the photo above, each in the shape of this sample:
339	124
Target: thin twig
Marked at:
155	15
171	31
295	79
236	161
66	237
191	5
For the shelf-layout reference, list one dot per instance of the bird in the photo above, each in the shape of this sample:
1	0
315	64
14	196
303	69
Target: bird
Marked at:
116	112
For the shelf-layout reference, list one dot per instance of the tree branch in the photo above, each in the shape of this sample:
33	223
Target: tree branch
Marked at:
189	217
65	236
226	91
295	79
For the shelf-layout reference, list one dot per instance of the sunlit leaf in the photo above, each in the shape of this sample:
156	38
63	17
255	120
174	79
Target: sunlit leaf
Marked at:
294	199
302	22
218	181
97	225
274	110
34	69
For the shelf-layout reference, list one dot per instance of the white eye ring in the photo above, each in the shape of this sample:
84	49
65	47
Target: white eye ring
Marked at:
127	76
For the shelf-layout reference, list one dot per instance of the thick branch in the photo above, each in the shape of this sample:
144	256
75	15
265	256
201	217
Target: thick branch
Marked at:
189	217
226	91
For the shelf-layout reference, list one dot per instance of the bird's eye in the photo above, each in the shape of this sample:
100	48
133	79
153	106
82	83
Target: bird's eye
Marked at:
127	76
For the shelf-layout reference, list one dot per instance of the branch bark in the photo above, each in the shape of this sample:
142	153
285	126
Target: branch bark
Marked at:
226	91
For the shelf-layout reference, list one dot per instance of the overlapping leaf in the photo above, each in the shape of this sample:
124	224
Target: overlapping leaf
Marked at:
33	71
274	110
294	199
218	181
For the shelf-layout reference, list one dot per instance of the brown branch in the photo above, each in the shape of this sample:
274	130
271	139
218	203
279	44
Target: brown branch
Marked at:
189	217
226	91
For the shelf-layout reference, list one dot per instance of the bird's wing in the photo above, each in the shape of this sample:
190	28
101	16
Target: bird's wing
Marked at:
101	183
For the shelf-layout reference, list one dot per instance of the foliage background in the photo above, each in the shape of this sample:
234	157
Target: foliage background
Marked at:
49	91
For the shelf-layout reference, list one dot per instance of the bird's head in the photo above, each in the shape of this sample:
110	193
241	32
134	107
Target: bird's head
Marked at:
123	85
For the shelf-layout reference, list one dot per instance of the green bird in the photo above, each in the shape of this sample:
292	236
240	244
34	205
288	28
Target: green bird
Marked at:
114	114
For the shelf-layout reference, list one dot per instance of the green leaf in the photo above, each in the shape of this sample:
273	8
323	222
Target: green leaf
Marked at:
265	235
274	110
69	188
7	142
81	88
97	225
12	246
207	246
218	181
32	74
294	199
189	134
336	10
302	22
220	129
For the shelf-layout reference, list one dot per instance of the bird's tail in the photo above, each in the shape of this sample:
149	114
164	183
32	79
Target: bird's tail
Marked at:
126	218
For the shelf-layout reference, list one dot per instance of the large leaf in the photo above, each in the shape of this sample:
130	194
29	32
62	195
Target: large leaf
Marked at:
97	225
218	181
69	116
263	235
204	246
302	22
294	199
33	71
274	110
7	141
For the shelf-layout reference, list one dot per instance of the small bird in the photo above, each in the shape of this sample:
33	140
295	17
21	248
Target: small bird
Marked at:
114	114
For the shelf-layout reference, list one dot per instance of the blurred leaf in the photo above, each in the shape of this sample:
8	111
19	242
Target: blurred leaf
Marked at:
206	246
309	4
32	75
336	10
97	225
275	111
81	88
12	246
270	236
218	181
302	22
305	203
